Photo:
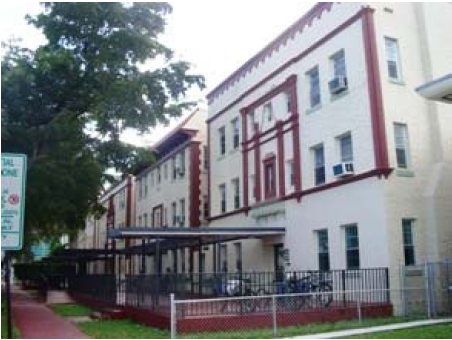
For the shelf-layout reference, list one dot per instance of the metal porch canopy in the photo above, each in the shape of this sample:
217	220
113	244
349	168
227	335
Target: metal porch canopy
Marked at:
206	234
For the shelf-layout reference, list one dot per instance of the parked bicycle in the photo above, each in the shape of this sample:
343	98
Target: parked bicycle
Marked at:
237	287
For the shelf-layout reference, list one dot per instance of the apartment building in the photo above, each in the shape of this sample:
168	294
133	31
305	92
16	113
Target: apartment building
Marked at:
119	206
173	191
322	132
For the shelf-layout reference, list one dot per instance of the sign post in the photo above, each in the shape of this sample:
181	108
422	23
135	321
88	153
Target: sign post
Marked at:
14	171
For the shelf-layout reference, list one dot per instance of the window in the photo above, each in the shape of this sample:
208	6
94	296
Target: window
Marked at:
314	87
159	175
146	182
252	180
323	249
252	123
182	212
223	197
182	163
174	167
393	59
288	97
140	221
206	157
182	260
235	133
290	173
270	178
174	256
206	206
165	171
174	213
236	188
268	112
408	241
346	148
339	66
352	246
401	145
319	165
145	219
224	258
222	136
238	256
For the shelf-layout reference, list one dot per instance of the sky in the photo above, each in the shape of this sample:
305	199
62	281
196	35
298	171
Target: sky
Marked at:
216	37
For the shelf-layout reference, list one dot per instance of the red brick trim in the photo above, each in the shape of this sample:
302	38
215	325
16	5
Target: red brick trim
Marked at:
375	95
195	184
281	165
295	59
290	32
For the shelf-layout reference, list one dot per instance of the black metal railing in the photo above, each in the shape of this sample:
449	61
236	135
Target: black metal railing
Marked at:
152	291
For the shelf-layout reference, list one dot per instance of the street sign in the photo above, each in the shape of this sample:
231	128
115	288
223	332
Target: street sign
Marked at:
14	172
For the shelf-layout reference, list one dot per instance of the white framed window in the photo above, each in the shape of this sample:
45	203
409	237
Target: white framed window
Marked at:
222	139
236	188
346	148
408	241
140	221
235	133
352	246
319	164
393	59
165	171
174	213
290	173
145	219
152	181
402	146
159	175
323	249
338	64
224	258
182	211
238	256
222	189
252	123
314	87
289	104
174	167
182	163
268	111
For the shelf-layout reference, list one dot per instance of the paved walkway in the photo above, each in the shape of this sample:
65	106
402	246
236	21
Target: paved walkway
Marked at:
37	321
351	332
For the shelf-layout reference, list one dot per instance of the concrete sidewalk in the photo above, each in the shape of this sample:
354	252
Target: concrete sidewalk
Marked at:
385	328
37	321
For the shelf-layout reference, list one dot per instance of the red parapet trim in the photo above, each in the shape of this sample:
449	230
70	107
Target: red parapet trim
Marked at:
295	59
230	213
195	184
290	32
374	89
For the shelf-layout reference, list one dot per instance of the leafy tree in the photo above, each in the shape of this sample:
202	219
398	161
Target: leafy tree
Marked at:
66	104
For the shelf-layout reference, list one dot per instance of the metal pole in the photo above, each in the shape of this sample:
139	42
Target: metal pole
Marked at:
173	316
275	324
360	316
8	294
427	290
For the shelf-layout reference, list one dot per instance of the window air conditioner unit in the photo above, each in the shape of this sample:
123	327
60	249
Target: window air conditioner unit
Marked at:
343	170
338	85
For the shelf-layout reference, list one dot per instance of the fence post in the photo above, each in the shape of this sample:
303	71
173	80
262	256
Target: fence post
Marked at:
427	290
275	324
360	316
172	316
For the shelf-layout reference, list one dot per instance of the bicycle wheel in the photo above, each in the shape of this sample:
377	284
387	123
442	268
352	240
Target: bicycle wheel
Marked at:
325	298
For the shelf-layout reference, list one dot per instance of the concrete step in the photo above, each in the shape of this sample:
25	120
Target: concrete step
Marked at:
57	297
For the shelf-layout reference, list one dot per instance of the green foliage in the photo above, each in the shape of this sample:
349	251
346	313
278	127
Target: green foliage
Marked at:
66	104
71	309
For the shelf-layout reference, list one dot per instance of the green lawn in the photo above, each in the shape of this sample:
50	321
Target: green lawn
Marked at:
71	309
4	324
120	329
443	331
117	329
